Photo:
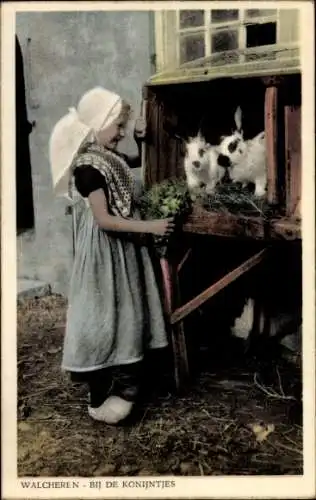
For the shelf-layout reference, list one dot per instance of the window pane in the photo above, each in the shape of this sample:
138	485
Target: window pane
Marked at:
261	34
191	18
219	16
191	48
225	40
260	12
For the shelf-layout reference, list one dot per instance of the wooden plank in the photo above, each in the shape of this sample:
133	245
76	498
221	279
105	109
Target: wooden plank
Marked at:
181	364
169	165
183	311
231	225
297	212
152	153
222	224
292	116
143	144
162	144
167	285
271	133
171	290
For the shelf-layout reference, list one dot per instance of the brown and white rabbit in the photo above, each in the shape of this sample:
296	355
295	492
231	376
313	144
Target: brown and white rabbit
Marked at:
247	158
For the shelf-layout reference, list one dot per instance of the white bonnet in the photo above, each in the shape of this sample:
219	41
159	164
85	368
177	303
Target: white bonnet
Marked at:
97	109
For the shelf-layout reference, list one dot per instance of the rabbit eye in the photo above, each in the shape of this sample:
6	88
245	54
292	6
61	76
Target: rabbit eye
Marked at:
233	146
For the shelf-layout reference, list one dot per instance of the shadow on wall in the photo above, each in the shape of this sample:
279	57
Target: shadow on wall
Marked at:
23	172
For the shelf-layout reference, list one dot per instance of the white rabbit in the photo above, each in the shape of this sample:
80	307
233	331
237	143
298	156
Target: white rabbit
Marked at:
200	164
247	158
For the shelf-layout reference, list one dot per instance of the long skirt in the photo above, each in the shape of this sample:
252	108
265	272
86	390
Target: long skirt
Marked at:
114	308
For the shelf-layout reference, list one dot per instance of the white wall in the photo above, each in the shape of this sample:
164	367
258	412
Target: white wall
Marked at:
68	53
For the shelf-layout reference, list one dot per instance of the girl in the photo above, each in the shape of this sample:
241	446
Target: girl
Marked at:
114	310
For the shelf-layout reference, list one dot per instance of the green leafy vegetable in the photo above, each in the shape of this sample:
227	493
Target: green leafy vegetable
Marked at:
169	198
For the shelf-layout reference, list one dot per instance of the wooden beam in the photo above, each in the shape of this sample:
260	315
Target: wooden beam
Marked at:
172	299
152	142
181	363
271	134
224	224
200	299
293	172
167	281
231	225
143	143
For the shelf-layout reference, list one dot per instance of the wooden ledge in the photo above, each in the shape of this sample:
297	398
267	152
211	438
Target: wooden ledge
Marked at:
230	225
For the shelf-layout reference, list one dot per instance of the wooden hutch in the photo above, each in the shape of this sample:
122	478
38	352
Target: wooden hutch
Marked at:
265	79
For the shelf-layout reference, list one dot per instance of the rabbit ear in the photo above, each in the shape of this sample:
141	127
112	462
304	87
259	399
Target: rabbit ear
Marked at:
237	118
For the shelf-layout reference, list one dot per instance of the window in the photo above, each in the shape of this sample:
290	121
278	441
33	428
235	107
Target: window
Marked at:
227	39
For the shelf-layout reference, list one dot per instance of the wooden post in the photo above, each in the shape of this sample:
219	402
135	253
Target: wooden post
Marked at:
293	171
167	284
172	297
182	372
152	143
271	134
143	145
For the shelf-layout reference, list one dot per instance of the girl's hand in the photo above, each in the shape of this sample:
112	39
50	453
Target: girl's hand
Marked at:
162	227
140	128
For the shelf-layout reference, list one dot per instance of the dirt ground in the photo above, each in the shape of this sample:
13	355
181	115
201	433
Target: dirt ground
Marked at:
225	424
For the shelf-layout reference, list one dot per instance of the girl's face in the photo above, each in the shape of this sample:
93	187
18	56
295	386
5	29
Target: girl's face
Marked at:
110	136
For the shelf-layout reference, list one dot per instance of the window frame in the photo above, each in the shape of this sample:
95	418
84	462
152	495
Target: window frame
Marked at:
167	29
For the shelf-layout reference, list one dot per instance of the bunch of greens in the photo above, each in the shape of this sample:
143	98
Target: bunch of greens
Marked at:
169	198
